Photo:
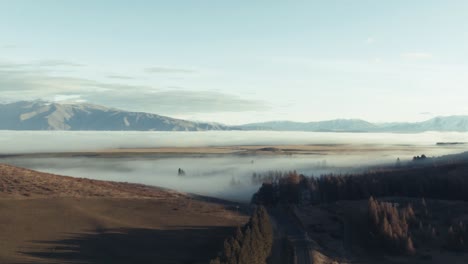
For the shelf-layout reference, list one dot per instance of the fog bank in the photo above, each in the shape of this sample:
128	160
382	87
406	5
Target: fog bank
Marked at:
224	176
69	141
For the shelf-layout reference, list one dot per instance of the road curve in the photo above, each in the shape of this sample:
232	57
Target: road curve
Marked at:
300	241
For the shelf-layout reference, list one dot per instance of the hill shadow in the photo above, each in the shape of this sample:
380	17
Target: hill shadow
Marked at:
133	245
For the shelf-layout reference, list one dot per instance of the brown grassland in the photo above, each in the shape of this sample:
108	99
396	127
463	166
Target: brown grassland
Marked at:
47	218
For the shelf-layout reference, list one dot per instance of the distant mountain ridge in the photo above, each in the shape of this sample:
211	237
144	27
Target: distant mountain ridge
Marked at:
442	124
42	115
337	125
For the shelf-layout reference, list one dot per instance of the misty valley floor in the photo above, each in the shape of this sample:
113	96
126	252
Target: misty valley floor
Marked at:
58	219
218	171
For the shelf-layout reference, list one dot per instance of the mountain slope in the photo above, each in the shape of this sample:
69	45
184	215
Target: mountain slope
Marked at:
338	125
443	124
40	115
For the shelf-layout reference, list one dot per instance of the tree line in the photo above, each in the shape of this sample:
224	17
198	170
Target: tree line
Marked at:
395	229
251	244
457	237
448	181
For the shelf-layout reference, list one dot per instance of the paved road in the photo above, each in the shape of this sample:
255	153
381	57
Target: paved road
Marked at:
287	225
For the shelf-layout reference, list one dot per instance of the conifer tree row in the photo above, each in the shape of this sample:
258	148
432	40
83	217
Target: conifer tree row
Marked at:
447	182
251	244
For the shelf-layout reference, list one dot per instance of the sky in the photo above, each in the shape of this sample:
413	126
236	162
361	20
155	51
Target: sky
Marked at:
238	62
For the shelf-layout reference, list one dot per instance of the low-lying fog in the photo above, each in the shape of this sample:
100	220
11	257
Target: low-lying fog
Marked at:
224	176
60	141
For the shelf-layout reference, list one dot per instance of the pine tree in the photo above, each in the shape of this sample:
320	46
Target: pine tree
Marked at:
250	245
410	247
215	261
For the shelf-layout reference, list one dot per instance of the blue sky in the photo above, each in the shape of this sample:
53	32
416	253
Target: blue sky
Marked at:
241	61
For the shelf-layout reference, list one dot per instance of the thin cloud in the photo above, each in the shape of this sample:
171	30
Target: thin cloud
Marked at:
120	77
426	113
20	82
39	64
8	46
168	70
370	40
30	84
12	66
57	63
178	101
416	55
68	98
377	60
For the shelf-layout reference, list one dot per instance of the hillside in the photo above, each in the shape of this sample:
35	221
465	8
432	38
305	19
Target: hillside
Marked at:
41	115
57	219
23	183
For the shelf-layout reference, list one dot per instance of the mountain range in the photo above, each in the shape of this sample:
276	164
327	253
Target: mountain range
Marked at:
442	124
42	115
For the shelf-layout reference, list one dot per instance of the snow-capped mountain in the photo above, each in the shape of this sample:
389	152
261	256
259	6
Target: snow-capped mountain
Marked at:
41	115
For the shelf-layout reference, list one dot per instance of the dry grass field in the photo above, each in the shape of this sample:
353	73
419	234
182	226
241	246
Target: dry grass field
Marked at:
48	218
